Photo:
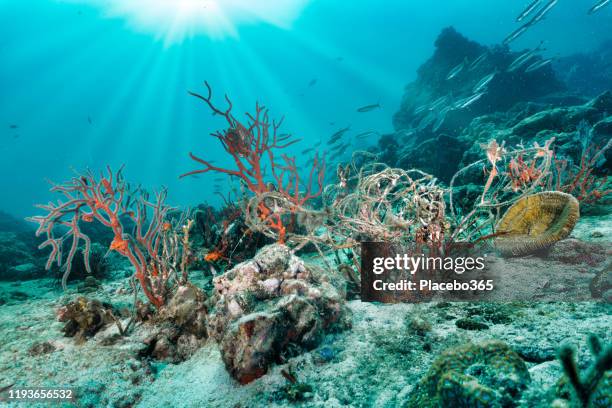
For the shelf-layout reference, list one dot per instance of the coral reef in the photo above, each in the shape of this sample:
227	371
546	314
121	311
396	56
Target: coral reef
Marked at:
514	106
489	374
536	222
222	236
266	306
505	89
155	249
276	201
279	260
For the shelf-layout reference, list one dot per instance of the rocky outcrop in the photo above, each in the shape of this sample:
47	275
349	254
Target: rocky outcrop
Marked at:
587	73
489	374
19	257
181	326
84	317
531	122
572	127
505	89
269	306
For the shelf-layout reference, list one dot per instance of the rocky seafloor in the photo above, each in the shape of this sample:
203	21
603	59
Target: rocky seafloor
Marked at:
376	363
279	329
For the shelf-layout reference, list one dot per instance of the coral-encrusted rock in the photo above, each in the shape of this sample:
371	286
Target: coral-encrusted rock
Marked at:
489	374
266	304
182	323
84	318
186	309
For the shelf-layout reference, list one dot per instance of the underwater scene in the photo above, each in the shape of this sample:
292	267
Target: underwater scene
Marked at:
306	203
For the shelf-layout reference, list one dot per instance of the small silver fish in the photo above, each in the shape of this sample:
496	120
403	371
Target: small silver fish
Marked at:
367	133
341	147
336	136
484	82
598	6
523	58
441	118
312	82
464	103
405	133
527	11
543	11
426	121
516	33
538	64
420	109
438	102
456	70
368	108
476	63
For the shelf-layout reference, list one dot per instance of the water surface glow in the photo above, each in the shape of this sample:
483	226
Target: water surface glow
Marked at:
175	20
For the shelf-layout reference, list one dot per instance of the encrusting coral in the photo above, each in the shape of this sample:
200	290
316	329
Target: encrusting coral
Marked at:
536	222
489	374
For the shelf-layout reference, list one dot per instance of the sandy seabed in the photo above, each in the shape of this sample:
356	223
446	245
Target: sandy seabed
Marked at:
374	364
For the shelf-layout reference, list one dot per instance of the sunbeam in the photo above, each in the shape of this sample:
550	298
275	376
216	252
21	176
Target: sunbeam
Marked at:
174	21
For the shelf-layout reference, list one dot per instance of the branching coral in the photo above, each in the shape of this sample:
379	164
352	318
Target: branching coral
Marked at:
578	179
388	204
252	146
154	248
527	170
593	388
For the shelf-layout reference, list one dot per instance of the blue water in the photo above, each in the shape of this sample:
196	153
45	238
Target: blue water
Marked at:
88	87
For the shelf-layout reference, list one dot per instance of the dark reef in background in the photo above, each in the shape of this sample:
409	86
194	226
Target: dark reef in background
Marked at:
587	73
20	257
224	231
505	90
518	107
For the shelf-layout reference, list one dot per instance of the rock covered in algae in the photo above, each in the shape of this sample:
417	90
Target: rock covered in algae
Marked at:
182	326
536	222
84	317
267	304
489	374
